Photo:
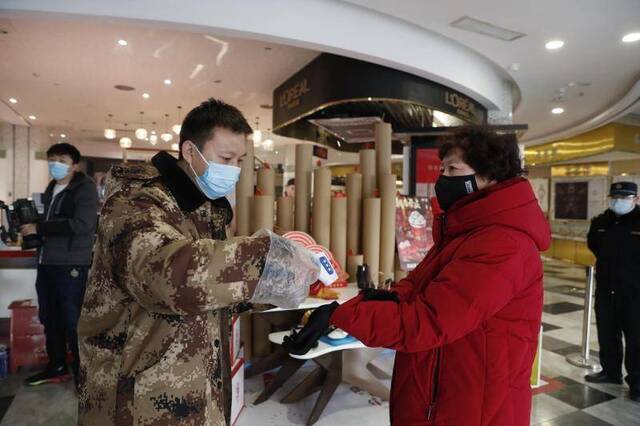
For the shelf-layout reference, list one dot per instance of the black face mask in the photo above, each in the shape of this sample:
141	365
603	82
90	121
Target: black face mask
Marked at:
450	189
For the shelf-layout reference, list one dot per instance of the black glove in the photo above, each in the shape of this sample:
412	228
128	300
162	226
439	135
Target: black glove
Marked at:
369	294
300	342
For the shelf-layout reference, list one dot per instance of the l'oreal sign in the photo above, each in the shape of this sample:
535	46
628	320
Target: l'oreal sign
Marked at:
463	105
290	98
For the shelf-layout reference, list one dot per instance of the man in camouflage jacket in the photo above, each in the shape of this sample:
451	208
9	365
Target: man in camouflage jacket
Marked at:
154	324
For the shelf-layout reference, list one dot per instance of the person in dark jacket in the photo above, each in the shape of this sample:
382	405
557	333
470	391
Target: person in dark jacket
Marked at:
614	238
464	323
67	234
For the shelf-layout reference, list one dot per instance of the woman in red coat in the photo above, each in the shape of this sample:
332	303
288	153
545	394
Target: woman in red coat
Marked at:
465	322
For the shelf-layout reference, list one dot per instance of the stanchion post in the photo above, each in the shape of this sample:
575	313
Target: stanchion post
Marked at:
583	359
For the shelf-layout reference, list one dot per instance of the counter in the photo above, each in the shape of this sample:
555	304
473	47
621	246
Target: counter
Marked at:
17	277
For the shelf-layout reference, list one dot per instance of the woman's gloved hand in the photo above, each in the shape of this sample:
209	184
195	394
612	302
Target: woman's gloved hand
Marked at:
369	294
299	343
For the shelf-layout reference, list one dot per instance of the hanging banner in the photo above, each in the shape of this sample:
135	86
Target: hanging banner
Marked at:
414	230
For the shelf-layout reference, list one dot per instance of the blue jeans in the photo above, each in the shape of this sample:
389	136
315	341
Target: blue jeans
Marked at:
60	294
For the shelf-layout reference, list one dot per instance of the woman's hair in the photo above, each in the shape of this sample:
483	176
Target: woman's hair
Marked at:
493	156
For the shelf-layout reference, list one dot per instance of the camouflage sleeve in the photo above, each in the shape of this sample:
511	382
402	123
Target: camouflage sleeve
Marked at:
169	272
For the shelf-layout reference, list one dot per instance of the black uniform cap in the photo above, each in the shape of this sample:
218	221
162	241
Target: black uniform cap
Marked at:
624	189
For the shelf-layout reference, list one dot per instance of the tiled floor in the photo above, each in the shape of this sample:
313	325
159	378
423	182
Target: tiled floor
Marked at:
565	401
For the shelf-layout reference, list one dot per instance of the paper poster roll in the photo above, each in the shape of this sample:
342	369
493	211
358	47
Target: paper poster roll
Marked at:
262	212
382	135
387	225
244	193
266	181
371	236
353	261
284	213
339	230
354	211
304	156
368	170
321	217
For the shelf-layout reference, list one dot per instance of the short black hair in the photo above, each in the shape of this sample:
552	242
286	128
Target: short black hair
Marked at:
291	181
65	149
200	122
493	156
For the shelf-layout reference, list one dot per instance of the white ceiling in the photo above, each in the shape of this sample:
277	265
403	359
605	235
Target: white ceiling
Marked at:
593	52
63	71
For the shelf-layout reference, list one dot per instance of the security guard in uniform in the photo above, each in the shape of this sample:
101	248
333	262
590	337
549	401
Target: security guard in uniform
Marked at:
614	238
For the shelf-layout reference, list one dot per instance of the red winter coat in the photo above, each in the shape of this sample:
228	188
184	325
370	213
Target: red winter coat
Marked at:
466	329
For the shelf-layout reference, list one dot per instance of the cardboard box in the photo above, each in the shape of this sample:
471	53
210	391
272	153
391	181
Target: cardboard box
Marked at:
237	388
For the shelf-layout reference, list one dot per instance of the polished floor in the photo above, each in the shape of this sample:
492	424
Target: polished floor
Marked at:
564	399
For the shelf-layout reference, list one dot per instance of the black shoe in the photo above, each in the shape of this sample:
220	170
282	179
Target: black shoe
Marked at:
50	375
602	377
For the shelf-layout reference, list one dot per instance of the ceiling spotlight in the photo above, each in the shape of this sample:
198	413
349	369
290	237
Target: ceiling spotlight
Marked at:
145	95
110	133
167	82
62	135
554	44
125	142
32	117
141	133
175	146
176	128
557	110
166	137
122	42
50	135
631	37
13	100
153	139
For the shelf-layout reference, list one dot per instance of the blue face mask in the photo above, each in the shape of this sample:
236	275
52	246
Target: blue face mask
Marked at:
218	179
58	170
622	206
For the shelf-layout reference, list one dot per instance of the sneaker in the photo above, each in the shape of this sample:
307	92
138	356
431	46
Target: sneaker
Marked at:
602	377
50	375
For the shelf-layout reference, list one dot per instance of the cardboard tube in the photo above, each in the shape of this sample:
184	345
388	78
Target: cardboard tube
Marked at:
382	135
387	225
244	193
262	212
353	261
304	156
339	230
354	211
266	181
368	170
321	215
371	236
284	213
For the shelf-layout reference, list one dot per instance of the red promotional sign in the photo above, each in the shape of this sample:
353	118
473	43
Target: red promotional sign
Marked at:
427	165
414	230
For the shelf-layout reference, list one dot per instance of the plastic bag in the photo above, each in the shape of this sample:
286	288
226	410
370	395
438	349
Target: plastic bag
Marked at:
289	270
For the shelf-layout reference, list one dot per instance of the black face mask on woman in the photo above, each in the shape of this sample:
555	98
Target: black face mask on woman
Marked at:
450	189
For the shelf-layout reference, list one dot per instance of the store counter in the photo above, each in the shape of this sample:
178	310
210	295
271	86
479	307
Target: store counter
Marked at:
17	276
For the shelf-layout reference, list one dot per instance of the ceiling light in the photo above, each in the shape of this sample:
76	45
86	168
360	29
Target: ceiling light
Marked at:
62	135
50	135
167	82
13	100
32	117
141	133
557	110
125	142
145	95
176	128
554	44
267	145
166	137
153	139
485	28
122	42
175	146
257	138
110	133
631	37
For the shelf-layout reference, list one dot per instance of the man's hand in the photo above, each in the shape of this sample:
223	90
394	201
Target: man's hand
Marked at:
369	294
300	342
28	229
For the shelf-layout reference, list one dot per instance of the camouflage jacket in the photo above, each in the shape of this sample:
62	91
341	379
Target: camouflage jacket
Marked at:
153	330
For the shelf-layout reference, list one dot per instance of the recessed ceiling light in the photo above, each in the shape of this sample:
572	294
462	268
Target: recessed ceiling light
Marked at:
557	110
50	135
32	117
554	44
62	135
122	42
217	81
145	95
13	100
631	37
167	82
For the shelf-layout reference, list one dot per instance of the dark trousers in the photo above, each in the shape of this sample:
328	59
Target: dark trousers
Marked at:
60	294
616	316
